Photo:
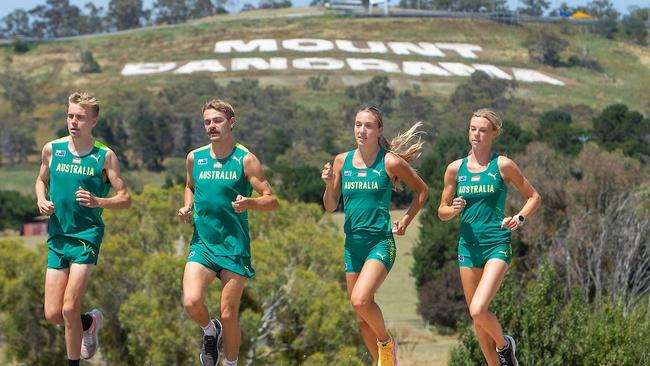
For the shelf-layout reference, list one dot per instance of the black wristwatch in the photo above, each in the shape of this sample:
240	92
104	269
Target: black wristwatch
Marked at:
520	219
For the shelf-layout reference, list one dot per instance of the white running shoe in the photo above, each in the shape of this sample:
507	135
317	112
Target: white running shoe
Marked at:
90	340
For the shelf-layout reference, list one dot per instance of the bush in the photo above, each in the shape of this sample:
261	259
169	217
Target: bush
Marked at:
442	301
297	183
26	335
317	82
19	46
88	63
555	330
556	129
586	62
617	127
635	29
16	209
545	47
606	27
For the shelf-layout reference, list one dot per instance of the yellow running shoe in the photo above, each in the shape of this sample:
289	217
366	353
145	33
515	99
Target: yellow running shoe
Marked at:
387	353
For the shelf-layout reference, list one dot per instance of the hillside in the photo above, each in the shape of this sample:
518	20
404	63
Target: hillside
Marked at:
296	77
54	64
455	47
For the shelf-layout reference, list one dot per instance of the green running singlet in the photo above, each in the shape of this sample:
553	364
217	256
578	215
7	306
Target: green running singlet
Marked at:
217	182
485	194
366	196
68	172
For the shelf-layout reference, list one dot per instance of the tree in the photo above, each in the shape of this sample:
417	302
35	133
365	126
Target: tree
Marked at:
110	130
94	20
512	139
171	11
534	7
641	13
563	10
317	82
602	9
17	90
17	139
413	108
441	299
474	6
619	128
294	309
16	24
206	8
606	252
57	18
258	108
635	29
126	14
556	129
274	4
377	92
150	131
182	94
26	335
607	15
606	27
480	90
137	285
304	306
584	183
545	47
16	209
297	183
88	63
436	247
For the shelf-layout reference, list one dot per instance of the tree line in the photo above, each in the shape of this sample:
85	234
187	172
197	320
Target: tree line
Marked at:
296	310
609	22
585	256
155	131
59	18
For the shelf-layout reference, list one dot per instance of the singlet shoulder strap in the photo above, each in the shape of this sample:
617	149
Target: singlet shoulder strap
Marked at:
242	148
202	148
348	158
381	158
60	140
463	163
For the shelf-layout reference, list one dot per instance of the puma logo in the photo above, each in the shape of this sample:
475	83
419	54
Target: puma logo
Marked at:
92	250
377	171
95	157
504	252
237	158
381	255
493	175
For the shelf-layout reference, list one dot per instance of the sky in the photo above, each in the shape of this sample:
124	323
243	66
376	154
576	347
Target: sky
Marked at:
7	6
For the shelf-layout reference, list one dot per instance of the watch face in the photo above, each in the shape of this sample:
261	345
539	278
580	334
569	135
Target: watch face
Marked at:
521	218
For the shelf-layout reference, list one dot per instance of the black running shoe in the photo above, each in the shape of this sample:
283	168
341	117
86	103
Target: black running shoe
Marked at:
210	350
507	355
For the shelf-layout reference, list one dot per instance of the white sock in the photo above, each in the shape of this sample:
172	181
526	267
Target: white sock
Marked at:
210	329
231	363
